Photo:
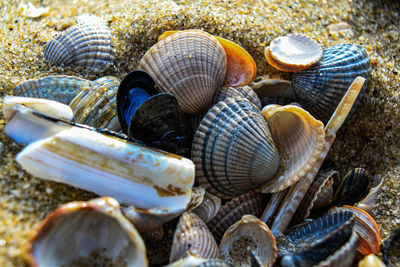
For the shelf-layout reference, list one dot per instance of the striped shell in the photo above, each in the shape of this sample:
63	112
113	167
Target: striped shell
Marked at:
241	159
320	88
87	44
96	106
191	65
208	208
237	92
60	88
192	235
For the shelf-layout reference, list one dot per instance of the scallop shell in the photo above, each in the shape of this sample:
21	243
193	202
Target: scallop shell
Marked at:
79	232
320	88
294	52
192	235
241	159
87	44
248	232
60	88
208	208
251	203
191	65
300	139
97	105
237	92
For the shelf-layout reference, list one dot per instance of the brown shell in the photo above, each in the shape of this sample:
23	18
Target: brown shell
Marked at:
237	92
191	65
208	208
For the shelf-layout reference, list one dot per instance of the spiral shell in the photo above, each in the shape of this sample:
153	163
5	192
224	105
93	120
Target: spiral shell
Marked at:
191	65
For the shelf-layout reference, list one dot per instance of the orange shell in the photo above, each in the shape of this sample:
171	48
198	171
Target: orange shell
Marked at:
241	67
278	65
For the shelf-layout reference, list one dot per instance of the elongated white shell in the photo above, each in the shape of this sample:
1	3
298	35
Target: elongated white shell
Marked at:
134	174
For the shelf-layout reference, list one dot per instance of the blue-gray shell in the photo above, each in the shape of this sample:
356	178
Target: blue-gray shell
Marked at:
320	88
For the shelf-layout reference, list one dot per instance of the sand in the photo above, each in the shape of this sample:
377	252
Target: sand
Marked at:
370	138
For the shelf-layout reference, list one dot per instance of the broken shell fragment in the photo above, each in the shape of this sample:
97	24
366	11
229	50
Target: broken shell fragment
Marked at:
79	232
208	208
248	232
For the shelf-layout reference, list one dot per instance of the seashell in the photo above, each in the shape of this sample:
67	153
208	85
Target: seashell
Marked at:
96	106
300	139
87	44
241	67
151	117
294	52
390	246
237	92
320	88
371	261
241	159
60	88
367	231
208	208
194	261
369	202
192	235
132	173
197	197
354	187
191	65
80	232
248	232
251	203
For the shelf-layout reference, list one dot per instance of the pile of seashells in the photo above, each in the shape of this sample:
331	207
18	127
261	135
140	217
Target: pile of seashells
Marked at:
196	115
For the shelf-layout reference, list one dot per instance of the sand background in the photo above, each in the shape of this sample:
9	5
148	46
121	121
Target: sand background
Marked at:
370	139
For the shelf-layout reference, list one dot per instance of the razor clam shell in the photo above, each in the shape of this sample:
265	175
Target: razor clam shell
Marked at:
237	92
192	235
191	65
193	261
208	208
320	88
248	231
242	158
60	88
78	231
132	173
300	139
87	44
251	203
96	106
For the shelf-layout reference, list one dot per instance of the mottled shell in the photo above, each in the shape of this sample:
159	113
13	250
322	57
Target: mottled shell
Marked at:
300	139
97	106
87	44
191	65
249	233
239	160
237	92
80	232
192	235
208	208
250	203
60	88
320	88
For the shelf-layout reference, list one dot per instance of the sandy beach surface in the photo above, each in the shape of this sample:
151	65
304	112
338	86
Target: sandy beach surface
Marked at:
370	139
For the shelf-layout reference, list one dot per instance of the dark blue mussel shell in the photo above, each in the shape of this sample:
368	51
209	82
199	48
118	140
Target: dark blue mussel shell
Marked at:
151	117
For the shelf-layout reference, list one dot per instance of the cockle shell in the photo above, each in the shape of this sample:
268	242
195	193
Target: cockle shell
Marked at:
239	160
192	235
96	105
248	232
191	65
208	208
320	88
78	232
300	139
60	88
87	44
237	92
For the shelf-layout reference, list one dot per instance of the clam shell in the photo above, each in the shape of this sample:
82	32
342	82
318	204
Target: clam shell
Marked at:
191	65
300	139
208	208
251	203
81	232
192	235
237	92
87	44
97	105
293	52
320	88
248	232
60	88
242	158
